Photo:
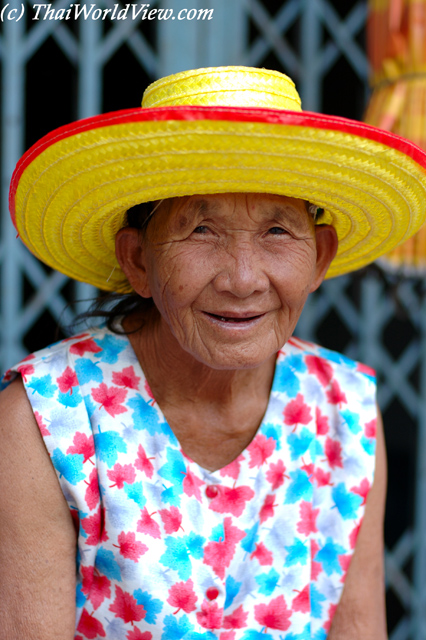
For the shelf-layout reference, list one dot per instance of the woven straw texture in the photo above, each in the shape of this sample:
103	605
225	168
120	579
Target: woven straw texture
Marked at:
72	198
230	86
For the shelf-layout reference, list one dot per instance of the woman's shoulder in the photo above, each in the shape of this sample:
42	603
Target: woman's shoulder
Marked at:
317	357
36	527
98	344
330	380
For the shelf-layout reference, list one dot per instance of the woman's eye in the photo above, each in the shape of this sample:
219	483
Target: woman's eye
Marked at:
277	231
201	229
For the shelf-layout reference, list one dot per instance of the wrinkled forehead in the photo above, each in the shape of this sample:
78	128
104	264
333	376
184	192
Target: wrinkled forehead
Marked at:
237	207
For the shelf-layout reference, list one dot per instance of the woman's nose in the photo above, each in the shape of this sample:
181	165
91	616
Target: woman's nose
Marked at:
242	271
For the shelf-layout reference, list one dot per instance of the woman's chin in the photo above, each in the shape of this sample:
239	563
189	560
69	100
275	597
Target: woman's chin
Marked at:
223	344
233	357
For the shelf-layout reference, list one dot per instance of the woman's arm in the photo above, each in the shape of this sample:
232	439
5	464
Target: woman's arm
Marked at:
37	536
361	611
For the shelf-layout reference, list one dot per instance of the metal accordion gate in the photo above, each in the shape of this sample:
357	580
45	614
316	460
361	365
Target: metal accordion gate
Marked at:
371	316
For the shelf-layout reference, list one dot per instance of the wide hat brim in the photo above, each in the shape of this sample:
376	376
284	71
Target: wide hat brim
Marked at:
70	192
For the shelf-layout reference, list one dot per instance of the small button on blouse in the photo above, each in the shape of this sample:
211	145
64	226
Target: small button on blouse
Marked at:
212	593
212	491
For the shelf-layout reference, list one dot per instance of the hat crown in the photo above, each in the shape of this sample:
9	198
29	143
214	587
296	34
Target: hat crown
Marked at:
224	86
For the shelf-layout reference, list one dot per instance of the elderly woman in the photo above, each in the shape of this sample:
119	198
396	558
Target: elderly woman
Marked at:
209	472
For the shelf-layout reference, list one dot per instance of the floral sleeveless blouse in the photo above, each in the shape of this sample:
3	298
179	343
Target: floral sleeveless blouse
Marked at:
257	550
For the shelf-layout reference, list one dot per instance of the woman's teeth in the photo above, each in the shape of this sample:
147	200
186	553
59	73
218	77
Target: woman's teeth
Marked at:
228	319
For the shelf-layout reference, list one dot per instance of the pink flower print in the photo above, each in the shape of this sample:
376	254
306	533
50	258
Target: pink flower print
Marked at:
130	547
333	452
365	369
308	516
236	620
92	492
110	398
120	474
172	519
260	449
136	634
83	445
345	561
370	428
126	607
267	510
43	428
316	567
231	500
26	370
149	392
354	535
143	463
309	468
191	485
232	469
335	395
319	368
87	579
302	602
227	635
147	524
322	478
276	474
8	376
274	615
297	412
80	348
331	611
126	378
218	555
96	587
90	627
31	356
182	596
77	337
362	490
262	554
94	526
210	616
321	422
67	381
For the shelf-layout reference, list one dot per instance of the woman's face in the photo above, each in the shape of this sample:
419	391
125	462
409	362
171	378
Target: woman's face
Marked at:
230	273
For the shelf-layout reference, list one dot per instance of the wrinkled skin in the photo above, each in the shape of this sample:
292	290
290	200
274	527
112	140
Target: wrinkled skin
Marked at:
235	254
253	258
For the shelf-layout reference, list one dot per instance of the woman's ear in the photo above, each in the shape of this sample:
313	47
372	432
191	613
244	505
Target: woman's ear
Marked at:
327	243
131	258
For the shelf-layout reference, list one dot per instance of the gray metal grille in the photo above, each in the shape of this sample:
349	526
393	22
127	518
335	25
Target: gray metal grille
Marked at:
310	40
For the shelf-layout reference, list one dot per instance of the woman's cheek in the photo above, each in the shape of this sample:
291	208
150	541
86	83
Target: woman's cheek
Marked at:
180	285
193	270
301	262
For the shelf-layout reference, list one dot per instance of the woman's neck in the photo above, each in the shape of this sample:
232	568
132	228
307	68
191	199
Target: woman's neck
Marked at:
213	413
177	375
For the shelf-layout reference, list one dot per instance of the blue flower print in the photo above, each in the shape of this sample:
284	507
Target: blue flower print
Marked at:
267	582
346	502
69	466
152	606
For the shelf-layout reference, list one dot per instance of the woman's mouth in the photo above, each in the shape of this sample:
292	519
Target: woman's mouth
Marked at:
231	318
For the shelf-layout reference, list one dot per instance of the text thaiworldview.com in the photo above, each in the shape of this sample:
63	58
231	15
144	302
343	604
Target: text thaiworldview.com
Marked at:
137	11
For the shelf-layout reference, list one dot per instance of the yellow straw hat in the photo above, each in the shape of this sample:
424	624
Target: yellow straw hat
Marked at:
215	130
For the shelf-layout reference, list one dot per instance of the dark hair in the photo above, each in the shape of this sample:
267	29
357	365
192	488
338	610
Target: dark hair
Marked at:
110	306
